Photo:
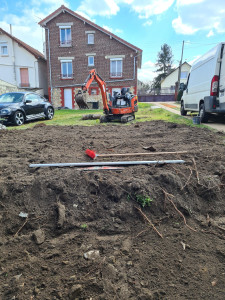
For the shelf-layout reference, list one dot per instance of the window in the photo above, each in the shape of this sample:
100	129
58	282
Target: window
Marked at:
116	67
66	69
93	91
91	38
184	75
91	61
65	36
32	97
3	49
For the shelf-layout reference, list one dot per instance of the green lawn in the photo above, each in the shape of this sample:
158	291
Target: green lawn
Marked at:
68	117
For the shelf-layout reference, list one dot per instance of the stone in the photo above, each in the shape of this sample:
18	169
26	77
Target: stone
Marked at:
92	255
39	236
75	291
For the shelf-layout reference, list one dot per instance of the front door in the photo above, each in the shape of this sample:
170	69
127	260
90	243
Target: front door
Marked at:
68	101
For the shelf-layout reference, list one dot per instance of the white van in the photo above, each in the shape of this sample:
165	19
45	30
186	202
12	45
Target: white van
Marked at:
205	90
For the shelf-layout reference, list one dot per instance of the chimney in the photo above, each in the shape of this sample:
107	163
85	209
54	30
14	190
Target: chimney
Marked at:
10	28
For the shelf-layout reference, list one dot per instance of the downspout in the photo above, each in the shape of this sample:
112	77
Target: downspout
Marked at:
50	67
13	58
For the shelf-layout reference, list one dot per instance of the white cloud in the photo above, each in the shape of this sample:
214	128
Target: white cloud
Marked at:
187	2
146	73
144	8
211	33
147	23
182	28
196	15
110	29
102	8
147	8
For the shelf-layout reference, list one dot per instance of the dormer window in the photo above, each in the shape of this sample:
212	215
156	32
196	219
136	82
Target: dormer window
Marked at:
65	36
3	49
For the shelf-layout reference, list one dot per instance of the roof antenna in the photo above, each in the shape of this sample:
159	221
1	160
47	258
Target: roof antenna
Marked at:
10	25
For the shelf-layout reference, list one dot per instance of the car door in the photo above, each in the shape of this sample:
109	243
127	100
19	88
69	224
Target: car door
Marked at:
30	105
41	104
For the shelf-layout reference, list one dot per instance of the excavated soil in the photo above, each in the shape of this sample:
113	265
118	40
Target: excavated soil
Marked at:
87	236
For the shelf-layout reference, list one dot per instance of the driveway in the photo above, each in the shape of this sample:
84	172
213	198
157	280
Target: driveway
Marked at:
215	122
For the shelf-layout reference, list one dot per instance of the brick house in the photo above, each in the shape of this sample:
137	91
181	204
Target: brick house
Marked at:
74	46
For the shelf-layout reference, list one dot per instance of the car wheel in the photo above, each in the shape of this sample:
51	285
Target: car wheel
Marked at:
49	113
18	118
204	117
183	112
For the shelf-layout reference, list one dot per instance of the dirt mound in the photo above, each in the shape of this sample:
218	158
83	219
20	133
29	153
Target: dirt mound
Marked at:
67	233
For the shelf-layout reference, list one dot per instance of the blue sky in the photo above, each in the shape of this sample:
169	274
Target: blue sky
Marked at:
145	23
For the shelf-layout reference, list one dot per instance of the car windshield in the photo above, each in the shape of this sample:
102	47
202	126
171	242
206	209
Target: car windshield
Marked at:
11	98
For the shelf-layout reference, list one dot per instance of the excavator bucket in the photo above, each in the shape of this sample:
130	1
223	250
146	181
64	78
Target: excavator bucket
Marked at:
79	98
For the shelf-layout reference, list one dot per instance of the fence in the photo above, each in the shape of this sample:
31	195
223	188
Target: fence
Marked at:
156	98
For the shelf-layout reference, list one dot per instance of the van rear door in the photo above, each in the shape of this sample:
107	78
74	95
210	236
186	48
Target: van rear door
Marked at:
222	81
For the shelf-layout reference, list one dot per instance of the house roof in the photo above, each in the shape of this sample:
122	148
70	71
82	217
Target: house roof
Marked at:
176	69
30	49
63	8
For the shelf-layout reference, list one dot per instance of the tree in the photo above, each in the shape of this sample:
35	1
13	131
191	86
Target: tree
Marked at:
164	62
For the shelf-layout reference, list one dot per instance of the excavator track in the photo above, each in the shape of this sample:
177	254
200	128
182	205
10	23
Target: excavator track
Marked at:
127	118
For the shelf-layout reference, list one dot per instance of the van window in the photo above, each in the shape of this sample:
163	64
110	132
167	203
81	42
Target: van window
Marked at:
188	79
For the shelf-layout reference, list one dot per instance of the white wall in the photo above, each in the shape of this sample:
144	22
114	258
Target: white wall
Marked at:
25	59
6	62
171	79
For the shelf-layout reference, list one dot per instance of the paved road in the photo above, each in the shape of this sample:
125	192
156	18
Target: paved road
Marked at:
216	122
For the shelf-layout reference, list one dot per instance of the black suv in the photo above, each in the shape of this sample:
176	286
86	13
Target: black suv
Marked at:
19	107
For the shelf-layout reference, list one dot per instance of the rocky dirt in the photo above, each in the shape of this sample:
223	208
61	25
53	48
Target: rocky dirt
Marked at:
67	233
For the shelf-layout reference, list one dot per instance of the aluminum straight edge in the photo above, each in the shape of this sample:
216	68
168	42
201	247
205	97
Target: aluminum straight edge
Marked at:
107	163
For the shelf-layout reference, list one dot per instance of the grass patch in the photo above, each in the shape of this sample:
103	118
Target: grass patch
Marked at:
67	117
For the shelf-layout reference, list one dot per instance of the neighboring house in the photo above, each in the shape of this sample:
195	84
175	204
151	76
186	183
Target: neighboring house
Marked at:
22	65
168	83
74	46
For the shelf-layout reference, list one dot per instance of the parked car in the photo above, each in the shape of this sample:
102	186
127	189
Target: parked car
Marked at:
205	91
18	107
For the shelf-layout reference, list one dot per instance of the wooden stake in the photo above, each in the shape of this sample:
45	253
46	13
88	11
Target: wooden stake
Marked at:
179	212
149	221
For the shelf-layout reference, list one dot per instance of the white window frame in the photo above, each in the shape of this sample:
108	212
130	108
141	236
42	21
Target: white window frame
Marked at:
67	42
2	45
111	73
89	63
66	61
90	41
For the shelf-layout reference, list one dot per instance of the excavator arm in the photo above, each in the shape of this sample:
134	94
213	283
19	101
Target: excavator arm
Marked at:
93	76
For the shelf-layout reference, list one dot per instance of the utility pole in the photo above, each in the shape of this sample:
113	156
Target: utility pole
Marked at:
179	73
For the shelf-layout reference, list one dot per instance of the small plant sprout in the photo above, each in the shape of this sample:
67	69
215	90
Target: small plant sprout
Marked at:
84	226
144	200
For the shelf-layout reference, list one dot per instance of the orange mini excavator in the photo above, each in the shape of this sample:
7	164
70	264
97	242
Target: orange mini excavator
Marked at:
121	107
